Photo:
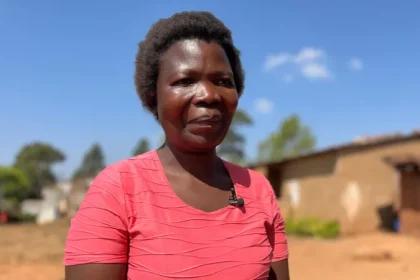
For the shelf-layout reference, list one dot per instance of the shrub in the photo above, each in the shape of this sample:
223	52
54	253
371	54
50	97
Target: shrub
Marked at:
21	218
329	229
14	184
312	227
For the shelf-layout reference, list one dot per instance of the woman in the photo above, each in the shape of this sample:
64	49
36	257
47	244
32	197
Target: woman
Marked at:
172	213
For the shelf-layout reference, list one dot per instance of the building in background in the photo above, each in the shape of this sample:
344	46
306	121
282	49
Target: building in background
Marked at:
52	206
57	201
364	185
75	197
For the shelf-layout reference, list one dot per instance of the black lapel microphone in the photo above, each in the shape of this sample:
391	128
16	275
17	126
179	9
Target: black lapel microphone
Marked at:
235	201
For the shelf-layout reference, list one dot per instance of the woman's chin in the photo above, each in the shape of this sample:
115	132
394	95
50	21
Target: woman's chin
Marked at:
201	143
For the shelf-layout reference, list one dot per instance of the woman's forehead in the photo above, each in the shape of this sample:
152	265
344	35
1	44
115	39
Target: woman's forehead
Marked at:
194	54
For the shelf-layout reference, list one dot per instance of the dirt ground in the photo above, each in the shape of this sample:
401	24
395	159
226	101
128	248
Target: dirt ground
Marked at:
35	252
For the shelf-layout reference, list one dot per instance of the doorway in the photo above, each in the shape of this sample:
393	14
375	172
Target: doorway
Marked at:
274	177
410	198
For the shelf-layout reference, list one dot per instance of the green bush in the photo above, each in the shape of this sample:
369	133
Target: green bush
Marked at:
27	218
329	229
14	184
21	218
312	227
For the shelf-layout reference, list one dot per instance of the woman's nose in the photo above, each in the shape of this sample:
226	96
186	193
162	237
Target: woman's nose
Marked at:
207	93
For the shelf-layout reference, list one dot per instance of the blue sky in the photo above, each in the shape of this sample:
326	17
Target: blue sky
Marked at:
348	68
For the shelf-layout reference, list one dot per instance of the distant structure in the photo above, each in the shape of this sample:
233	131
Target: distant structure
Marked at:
76	195
60	200
367	184
50	207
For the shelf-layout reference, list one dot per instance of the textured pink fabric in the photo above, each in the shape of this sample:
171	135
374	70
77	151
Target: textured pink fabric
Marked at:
131	215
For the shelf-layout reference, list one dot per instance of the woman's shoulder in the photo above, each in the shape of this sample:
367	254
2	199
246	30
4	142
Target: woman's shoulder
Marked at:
138	171
136	163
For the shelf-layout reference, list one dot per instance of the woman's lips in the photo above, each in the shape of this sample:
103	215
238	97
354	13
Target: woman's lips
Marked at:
206	123
206	119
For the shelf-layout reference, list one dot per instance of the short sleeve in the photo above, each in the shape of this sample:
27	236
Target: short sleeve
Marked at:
277	234
98	232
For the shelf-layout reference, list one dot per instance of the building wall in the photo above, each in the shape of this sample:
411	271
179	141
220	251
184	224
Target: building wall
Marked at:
306	184
349	186
31	206
378	181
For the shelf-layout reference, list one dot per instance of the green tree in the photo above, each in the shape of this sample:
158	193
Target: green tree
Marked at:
93	162
14	185
292	138
233	146
141	147
36	161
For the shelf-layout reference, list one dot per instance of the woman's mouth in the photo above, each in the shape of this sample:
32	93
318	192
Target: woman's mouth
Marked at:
206	119
205	124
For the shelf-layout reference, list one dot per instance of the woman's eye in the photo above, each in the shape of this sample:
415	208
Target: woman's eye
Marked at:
225	83
184	82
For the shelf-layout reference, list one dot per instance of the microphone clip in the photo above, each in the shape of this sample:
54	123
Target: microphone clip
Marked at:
234	200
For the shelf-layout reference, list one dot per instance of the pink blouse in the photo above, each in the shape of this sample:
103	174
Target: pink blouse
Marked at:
131	215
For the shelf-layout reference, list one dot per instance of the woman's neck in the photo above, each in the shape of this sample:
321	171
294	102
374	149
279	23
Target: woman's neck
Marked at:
200	165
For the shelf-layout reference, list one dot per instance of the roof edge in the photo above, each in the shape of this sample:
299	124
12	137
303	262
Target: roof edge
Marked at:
368	142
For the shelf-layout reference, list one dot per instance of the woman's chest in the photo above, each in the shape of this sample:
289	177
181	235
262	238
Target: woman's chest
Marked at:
181	242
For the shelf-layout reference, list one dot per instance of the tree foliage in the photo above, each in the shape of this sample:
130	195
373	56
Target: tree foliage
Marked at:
93	162
292	138
233	146
36	161
141	147
14	185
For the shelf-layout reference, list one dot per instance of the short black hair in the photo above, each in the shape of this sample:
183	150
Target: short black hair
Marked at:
164	33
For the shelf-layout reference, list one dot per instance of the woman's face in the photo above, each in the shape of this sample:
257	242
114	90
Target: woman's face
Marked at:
196	95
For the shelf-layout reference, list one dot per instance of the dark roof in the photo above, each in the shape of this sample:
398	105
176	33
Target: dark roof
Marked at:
357	144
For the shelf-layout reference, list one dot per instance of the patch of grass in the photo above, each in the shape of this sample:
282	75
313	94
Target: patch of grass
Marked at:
312	227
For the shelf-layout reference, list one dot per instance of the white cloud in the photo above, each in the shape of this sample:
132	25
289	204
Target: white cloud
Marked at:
263	105
315	71
355	64
310	62
309	55
274	61
288	78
